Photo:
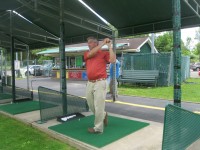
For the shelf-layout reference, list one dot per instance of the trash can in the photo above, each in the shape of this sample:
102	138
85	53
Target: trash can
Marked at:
9	80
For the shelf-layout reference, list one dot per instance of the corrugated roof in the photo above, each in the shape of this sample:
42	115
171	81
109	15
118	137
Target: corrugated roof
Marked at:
77	49
132	43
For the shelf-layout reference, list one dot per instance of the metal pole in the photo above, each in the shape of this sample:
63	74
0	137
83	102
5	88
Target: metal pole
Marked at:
27	59
12	58
115	34
16	56
5	64
152	51
62	58
35	69
16	61
152	43
177	51
21	56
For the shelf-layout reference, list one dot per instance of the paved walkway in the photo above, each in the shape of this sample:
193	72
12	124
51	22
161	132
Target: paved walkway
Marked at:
138	107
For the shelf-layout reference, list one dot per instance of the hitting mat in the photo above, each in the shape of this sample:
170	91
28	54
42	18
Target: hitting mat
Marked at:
117	128
22	107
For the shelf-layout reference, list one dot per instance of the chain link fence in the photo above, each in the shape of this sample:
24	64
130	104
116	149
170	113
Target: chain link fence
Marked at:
163	62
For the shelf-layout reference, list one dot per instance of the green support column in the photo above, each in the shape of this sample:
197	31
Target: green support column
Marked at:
12	58
5	69
177	51
27	58
62	59
1	52
115	34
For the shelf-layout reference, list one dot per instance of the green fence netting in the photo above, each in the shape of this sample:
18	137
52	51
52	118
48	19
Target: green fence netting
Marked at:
181	128
51	104
163	62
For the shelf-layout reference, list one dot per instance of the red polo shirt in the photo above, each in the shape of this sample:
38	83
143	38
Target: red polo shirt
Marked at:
96	66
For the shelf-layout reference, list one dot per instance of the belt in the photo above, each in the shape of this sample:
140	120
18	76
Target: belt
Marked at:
93	81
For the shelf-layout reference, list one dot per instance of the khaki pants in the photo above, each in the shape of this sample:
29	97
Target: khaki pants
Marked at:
96	95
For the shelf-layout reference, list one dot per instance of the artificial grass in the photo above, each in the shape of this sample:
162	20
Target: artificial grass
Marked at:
18	136
5	96
22	107
116	129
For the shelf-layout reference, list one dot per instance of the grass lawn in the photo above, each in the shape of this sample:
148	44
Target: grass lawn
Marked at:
190	91
15	135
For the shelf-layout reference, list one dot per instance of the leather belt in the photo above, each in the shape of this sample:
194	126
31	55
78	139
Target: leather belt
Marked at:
93	81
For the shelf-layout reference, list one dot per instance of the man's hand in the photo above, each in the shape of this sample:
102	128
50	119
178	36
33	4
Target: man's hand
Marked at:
109	45
106	41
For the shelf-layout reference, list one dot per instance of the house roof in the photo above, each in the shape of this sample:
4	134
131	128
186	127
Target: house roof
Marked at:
129	44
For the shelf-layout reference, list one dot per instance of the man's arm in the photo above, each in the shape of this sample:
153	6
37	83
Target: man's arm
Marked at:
112	54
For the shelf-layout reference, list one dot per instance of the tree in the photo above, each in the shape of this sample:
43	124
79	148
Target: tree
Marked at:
184	49
188	42
197	36
40	58
197	50
164	43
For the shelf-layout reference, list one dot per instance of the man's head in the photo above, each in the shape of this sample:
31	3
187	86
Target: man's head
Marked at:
92	42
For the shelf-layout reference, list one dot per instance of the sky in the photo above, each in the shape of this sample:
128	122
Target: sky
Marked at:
189	32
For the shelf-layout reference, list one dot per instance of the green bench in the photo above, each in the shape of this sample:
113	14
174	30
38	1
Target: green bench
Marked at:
139	76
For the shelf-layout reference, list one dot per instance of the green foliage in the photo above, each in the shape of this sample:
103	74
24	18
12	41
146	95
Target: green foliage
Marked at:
184	49
18	136
164	43
40	58
188	41
193	58
197	50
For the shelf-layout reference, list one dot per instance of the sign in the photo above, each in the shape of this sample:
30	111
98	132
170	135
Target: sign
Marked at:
75	75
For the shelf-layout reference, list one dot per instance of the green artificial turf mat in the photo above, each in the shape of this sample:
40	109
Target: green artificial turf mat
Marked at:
17	108
116	129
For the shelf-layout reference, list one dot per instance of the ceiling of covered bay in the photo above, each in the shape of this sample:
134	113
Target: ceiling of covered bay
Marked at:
128	16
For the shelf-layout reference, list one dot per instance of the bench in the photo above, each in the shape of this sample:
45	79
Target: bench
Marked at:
139	76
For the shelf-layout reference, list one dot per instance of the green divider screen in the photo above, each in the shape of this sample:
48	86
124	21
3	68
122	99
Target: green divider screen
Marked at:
51	104
181	128
163	62
20	92
1	89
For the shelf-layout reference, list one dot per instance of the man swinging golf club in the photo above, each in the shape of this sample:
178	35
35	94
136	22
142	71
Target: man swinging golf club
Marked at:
96	61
